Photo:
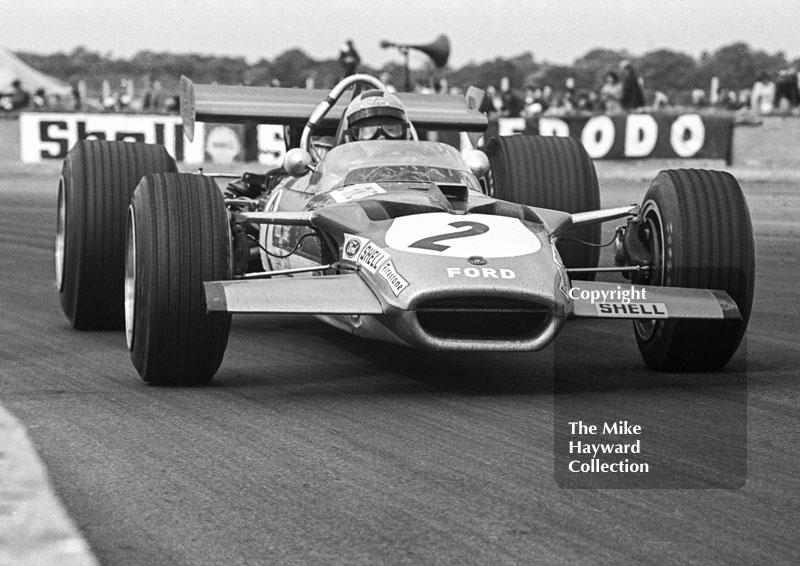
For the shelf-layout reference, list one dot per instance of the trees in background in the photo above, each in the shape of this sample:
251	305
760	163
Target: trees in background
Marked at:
737	66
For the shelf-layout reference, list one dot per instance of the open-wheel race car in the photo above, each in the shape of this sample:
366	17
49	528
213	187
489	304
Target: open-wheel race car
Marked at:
389	236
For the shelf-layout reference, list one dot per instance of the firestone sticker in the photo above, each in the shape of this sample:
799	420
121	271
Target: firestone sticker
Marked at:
396	281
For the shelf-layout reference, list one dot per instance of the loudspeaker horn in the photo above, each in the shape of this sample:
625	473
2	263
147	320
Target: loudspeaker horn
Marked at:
438	50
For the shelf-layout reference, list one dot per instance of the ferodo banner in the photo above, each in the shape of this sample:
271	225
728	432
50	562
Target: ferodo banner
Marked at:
46	136
631	136
625	136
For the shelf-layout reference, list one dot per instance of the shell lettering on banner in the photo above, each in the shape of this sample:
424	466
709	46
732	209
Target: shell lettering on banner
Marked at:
271	145
446	235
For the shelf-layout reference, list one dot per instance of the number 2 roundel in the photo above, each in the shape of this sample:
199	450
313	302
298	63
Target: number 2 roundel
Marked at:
447	235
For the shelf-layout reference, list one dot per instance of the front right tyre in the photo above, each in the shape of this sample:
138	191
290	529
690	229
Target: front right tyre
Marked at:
178	236
700	236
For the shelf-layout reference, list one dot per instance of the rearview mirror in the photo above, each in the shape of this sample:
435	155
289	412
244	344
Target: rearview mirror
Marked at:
477	162
297	162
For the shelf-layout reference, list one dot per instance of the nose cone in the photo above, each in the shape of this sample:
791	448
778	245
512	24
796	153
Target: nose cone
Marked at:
464	282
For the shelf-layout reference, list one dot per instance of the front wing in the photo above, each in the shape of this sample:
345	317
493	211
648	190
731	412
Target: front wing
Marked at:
349	294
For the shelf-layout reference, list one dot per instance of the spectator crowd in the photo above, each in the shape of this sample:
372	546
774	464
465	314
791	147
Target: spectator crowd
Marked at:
149	97
623	90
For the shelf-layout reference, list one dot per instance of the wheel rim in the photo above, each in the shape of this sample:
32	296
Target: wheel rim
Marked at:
646	328
61	221
130	279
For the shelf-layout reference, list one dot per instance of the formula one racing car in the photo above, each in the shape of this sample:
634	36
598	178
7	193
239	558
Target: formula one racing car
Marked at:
383	233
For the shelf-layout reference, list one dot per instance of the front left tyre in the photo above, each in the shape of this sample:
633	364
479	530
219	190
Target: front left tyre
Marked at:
550	172
178	236
97	180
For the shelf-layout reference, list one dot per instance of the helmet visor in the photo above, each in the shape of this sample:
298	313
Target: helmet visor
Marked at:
392	131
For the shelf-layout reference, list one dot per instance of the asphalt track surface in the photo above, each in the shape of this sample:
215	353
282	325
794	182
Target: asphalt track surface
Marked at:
314	447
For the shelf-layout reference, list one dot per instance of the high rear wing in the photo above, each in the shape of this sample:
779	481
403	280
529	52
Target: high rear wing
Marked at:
293	106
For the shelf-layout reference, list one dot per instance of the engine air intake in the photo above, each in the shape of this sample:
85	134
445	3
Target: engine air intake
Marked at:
488	318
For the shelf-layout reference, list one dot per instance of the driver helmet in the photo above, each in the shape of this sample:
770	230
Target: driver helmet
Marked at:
375	114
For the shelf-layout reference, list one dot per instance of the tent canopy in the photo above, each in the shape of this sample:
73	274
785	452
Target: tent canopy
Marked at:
12	68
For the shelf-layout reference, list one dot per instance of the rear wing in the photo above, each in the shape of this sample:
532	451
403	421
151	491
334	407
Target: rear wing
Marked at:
293	106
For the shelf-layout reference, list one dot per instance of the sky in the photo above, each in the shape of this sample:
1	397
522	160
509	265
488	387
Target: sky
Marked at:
558	31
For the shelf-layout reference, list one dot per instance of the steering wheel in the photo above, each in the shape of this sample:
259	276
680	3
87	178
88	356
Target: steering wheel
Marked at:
330	101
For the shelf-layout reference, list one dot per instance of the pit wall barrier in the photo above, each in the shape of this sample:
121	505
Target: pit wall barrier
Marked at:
45	136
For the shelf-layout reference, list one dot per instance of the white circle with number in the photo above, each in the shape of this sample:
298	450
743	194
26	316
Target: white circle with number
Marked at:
448	235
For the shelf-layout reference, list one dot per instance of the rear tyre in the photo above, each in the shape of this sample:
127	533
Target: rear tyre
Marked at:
701	237
178	236
549	172
97	180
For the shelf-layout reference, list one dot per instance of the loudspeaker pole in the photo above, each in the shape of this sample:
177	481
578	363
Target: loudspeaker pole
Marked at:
404	51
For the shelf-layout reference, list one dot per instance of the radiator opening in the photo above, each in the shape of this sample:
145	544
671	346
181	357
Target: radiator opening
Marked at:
482	317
